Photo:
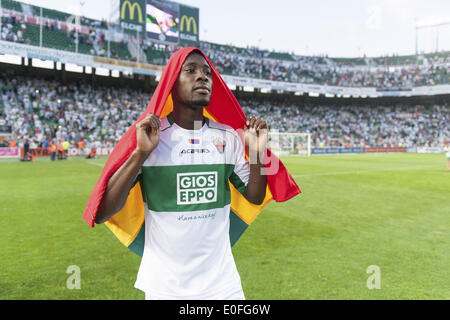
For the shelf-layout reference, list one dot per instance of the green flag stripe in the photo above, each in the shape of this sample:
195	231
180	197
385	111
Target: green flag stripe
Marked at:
237	227
137	246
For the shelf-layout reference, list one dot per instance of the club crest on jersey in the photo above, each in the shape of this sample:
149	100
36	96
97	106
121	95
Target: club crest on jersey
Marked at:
220	144
196	187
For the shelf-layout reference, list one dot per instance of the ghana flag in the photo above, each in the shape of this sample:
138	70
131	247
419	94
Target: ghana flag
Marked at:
128	224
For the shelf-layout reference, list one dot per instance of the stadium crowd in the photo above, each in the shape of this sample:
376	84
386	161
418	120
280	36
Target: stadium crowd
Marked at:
322	70
358	126
253	62
12	29
41	111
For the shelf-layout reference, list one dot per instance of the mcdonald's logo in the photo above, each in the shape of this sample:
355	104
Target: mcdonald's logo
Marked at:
132	10
185	21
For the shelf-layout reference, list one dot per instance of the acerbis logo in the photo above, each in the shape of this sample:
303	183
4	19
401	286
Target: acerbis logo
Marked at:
196	187
132	8
185	21
192	151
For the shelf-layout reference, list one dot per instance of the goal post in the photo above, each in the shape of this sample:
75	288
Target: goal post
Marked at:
290	143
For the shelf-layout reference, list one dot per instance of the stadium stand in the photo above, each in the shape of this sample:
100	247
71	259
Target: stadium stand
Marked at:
358	126
56	33
12	5
381	72
41	109
335	72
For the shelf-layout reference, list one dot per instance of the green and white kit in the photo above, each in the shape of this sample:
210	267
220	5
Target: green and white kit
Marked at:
185	183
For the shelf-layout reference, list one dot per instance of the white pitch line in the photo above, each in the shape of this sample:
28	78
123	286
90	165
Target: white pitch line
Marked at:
358	172
96	164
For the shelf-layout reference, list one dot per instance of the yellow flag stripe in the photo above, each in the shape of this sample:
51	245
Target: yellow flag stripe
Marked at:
127	222
243	208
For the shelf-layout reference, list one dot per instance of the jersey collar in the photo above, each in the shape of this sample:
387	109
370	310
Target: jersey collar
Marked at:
172	120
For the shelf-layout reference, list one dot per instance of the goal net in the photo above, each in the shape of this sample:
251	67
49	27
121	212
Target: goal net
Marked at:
290	143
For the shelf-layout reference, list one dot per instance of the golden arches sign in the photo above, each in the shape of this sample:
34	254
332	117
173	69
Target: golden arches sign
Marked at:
132	9
185	21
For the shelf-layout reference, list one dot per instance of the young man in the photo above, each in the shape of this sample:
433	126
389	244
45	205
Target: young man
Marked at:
184	163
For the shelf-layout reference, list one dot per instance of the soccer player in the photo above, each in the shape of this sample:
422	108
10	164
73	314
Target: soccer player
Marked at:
184	163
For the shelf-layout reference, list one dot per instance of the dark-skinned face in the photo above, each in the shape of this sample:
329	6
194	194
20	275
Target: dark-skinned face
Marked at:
194	84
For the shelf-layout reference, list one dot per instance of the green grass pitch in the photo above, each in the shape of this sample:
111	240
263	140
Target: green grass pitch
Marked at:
387	210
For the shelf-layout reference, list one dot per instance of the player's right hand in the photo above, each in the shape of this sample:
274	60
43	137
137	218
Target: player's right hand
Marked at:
147	134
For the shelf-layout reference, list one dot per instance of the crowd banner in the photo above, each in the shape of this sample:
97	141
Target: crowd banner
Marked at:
38	152
74	152
333	90
9	153
336	150
127	65
45	152
5	129
384	149
104	151
24	50
429	150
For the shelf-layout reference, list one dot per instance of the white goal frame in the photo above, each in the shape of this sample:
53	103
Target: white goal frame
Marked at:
288	143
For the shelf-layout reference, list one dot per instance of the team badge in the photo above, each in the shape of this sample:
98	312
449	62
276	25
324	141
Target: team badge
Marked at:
219	144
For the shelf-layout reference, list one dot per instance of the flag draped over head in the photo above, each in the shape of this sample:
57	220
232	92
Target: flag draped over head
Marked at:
128	224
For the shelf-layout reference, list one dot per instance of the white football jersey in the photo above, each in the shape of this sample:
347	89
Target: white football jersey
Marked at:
185	184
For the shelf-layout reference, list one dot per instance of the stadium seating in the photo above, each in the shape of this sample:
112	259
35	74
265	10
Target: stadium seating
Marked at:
349	61
12	5
56	39
63	16
281	56
102	115
155	56
359	126
250	62
53	14
395	60
32	34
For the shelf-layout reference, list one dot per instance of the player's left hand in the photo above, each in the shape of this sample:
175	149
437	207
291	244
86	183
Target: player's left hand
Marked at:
256	135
